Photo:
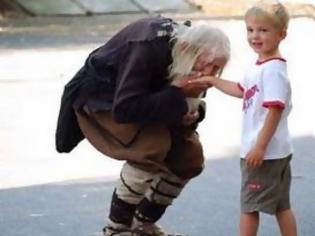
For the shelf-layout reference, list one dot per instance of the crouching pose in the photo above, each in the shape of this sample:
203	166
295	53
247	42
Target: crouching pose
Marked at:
129	101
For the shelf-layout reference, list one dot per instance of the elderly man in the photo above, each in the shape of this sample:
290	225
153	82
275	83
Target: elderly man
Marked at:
131	101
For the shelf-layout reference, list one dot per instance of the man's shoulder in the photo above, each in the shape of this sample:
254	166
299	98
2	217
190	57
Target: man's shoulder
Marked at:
150	28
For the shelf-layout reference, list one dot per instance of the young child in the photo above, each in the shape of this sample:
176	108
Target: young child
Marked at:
266	148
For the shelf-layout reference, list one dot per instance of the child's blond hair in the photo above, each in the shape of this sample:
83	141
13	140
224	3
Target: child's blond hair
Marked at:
272	10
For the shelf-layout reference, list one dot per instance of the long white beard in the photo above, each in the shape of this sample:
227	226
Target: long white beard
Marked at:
193	103
181	67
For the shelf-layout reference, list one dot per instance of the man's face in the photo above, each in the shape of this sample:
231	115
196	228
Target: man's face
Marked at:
207	66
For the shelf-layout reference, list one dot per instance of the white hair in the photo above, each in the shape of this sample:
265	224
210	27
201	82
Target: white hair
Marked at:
192	41
198	38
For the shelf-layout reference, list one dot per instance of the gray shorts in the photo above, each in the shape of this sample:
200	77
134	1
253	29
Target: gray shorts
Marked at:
266	188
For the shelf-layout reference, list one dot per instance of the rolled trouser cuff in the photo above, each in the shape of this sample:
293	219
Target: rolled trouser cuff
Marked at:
149	212
165	188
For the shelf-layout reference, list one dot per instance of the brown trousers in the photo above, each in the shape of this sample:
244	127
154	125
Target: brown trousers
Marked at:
148	147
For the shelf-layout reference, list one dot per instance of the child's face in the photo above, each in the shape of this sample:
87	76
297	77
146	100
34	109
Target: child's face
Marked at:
263	36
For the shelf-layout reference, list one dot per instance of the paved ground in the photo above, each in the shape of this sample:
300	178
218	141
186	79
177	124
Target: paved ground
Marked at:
45	193
207	207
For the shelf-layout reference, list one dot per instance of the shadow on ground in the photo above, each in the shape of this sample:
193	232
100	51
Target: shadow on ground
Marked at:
208	205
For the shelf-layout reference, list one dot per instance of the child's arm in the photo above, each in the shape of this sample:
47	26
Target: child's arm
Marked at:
228	87
256	155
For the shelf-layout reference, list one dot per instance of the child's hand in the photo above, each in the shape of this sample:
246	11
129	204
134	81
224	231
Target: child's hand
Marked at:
255	157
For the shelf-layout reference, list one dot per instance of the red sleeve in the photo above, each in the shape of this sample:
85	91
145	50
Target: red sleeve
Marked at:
278	104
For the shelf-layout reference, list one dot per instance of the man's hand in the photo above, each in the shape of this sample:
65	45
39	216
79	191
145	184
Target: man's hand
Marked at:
191	89
209	80
190	118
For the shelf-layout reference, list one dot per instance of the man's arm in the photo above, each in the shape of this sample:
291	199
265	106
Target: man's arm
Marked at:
134	100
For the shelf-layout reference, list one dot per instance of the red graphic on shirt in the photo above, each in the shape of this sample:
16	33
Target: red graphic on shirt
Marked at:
248	95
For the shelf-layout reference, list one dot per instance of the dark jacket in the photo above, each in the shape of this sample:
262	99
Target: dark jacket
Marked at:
127	76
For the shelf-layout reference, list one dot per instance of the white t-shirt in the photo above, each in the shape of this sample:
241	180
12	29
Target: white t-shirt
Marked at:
266	84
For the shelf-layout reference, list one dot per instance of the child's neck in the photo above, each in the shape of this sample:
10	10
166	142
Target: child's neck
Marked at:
265	57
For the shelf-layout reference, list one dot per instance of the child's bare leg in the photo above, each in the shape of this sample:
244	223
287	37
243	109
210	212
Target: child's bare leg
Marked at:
249	223
287	223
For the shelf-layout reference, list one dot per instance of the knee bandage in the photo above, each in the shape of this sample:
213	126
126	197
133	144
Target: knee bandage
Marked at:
133	183
165	188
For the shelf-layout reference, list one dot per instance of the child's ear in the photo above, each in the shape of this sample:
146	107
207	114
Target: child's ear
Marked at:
283	34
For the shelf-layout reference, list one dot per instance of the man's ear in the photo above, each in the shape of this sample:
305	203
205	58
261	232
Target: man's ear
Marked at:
183	46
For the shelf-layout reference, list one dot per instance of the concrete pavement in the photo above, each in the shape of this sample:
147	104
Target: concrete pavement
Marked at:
207	207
